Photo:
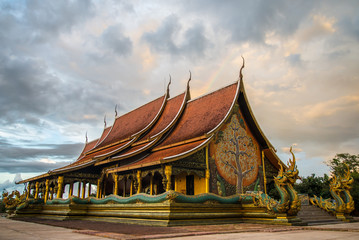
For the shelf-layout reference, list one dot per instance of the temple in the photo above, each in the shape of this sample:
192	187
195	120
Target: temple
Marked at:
172	161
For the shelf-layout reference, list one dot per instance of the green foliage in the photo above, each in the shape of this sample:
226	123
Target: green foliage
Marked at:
313	185
337	164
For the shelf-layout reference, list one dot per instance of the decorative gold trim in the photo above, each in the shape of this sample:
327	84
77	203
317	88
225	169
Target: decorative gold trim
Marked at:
264	174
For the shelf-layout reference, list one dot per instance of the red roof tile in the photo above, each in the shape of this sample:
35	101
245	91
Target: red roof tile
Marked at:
171	110
133	122
104	135
87	147
202	115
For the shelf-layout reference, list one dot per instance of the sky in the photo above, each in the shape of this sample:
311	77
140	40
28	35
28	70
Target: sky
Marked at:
64	65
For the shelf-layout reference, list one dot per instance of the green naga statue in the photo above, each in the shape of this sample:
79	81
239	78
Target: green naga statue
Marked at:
343	202
289	202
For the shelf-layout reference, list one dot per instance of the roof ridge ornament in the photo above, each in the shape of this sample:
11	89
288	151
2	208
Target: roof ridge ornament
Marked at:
87	140
240	71
116	111
168	86
104	121
188	92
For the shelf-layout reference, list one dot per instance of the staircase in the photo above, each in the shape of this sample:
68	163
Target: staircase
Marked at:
315	216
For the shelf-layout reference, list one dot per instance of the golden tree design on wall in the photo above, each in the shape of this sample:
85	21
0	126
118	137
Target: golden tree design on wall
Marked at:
236	154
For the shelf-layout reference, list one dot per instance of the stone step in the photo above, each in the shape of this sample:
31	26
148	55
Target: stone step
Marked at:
311	223
316	216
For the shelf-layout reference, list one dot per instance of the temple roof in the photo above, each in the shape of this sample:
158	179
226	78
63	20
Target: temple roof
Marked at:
167	129
134	122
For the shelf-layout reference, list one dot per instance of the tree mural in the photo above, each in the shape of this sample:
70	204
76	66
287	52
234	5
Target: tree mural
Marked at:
236	154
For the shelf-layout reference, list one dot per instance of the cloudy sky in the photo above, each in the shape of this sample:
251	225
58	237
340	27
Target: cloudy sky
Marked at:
66	64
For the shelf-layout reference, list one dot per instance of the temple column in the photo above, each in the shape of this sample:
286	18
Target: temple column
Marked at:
83	189
79	189
151	185
208	175
71	189
51	193
116	184
37	190
60	182
46	190
98	188
168	173
89	190
139	181
28	191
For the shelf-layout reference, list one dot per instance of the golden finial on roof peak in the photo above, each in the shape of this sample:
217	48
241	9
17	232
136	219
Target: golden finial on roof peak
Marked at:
240	71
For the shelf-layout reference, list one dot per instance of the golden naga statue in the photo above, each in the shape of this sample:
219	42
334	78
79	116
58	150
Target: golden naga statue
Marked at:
289	202
292	174
343	202
12	200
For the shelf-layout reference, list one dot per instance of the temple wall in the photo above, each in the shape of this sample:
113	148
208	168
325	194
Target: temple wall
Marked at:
234	158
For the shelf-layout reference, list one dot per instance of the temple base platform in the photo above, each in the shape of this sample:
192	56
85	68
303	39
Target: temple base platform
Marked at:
168	211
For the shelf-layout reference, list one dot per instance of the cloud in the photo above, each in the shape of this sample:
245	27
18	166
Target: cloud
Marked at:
64	151
114	39
36	158
294	59
15	166
49	19
170	37
251	21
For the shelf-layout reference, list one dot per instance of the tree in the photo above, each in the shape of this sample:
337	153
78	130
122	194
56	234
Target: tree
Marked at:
313	185
237	152
339	165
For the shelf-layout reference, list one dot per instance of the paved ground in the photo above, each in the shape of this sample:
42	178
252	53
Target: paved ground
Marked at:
75	229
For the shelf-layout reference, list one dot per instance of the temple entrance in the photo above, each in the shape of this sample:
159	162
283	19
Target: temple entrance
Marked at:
109	184
190	185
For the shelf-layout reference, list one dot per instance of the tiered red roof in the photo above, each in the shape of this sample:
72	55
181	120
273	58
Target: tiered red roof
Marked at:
163	130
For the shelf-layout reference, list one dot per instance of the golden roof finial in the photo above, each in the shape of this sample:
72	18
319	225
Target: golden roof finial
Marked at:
240	71
190	78
168	86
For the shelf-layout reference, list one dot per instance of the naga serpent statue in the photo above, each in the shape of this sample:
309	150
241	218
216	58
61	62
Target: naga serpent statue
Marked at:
12	200
289	202
292	176
340	191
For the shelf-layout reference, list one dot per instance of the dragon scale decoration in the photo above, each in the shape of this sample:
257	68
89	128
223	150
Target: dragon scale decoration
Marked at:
289	202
